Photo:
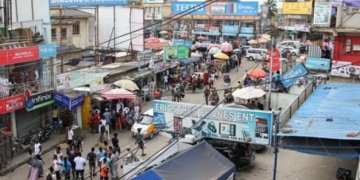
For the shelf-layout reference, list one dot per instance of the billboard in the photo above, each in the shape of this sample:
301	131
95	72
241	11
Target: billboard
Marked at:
340	68
80	3
294	74
178	42
235	8
175	52
318	63
304	8
242	125
322	13
198	8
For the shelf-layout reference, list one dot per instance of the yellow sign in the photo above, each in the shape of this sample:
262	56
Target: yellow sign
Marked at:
96	84
304	8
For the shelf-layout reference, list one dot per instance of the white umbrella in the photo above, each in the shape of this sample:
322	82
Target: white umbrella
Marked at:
214	50
127	84
248	93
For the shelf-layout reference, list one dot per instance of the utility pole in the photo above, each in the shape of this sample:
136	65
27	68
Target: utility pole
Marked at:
276	140
61	56
152	24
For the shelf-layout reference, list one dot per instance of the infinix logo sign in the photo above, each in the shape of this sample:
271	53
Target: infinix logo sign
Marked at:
42	97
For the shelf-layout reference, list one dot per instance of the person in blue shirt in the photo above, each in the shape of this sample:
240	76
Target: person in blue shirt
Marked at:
100	155
108	160
277	79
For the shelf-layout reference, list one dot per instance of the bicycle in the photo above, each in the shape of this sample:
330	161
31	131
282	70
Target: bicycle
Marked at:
4	162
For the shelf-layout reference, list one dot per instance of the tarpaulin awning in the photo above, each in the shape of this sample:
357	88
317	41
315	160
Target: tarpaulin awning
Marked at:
187	61
68	101
228	34
118	94
206	163
200	33
212	33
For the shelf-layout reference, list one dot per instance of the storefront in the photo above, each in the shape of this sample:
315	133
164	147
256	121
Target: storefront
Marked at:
229	32
246	33
70	103
37	112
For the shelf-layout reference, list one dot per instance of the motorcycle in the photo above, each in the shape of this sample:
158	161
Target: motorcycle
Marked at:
22	144
45	133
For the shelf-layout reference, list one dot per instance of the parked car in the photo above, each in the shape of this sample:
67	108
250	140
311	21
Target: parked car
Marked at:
295	44
247	154
291	50
253	54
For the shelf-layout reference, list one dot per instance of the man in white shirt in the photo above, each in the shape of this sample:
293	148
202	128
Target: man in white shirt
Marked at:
166	82
70	137
37	147
213	77
80	163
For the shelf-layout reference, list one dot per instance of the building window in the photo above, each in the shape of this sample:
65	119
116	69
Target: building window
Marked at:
63	33
76	28
53	33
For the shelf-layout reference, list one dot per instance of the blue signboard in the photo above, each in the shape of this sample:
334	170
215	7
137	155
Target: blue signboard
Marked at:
79	3
66	101
47	50
317	63
235	8
230	29
293	75
179	42
247	30
189	8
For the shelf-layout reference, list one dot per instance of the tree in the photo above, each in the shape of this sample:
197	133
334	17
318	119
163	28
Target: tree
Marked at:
272	8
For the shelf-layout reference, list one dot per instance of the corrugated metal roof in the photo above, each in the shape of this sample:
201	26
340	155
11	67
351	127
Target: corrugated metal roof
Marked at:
314	51
338	102
83	78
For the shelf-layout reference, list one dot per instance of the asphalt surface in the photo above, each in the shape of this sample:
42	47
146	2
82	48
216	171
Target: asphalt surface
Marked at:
291	165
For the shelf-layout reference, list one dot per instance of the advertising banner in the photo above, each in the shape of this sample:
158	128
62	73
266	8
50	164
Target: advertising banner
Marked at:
235	8
160	67
66	101
178	42
264	16
275	62
96	84
317	63
197	8
340	68
11	103
39	100
182	52
80	3
230	29
19	55
294	74
242	125
322	13
63	81
175	52
297	8
153	1
247	30
47	50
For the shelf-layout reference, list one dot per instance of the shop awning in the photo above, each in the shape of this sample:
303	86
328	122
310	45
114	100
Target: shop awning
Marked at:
248	36
200	32
228	34
68	101
212	33
79	79
118	94
185	62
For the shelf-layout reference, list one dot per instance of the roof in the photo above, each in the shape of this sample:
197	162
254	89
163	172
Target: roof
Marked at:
330	112
69	13
201	161
314	51
83	78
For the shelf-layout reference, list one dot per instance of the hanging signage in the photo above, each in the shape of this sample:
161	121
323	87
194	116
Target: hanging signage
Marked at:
66	101
39	100
12	103
242	125
178	42
247	30
317	63
47	50
264	16
153	1
340	68
294	74
182	52
275	62
160	67
96	84
235	8
230	29
297	8
198	8
19	55
322	13
79	3
63	81
169	53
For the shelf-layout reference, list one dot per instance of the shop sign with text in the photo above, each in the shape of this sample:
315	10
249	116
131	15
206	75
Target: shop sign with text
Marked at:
80	3
298	8
175	52
230	29
179	42
188	8
322	13
235	8
247	30
293	75
317	63
66	101
11	103
160	67
19	55
47	50
39	100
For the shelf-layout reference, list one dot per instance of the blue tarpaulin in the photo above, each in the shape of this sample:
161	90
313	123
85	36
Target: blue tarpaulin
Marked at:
187	61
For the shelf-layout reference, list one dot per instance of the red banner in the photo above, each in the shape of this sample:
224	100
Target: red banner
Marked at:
12	103
19	55
275	63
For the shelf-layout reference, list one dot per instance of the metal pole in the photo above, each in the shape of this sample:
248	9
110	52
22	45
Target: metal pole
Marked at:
152	24
276	142
270	71
61	56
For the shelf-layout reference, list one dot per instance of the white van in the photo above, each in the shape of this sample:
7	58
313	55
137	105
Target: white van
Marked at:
281	44
253	54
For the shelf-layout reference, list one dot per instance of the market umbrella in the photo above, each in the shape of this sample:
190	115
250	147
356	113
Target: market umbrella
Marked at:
252	41
262	40
163	32
248	93
152	40
213	45
195	55
201	38
118	94
183	36
257	73
226	47
221	56
127	84
214	50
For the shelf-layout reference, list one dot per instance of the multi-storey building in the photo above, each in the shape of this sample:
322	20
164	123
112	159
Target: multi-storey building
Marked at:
156	12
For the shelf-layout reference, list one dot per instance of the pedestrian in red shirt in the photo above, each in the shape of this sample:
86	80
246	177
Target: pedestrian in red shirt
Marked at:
96	121
64	122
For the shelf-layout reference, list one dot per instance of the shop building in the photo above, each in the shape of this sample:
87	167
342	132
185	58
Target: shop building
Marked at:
156	12
295	19
219	21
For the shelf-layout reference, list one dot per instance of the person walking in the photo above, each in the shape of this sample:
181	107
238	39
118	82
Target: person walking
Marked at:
107	116
206	95
99	155
104	170
80	163
39	164
114	165
66	168
166	82
140	141
55	118
236	64
70	137
115	143
91	157
96	121
57	166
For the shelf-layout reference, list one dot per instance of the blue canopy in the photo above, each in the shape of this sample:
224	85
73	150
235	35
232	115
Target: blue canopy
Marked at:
248	36
228	34
202	161
187	61
69	102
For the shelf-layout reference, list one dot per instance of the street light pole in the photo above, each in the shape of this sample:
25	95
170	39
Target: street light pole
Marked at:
276	141
271	71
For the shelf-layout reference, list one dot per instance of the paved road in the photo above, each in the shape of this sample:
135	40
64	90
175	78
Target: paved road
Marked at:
291	165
